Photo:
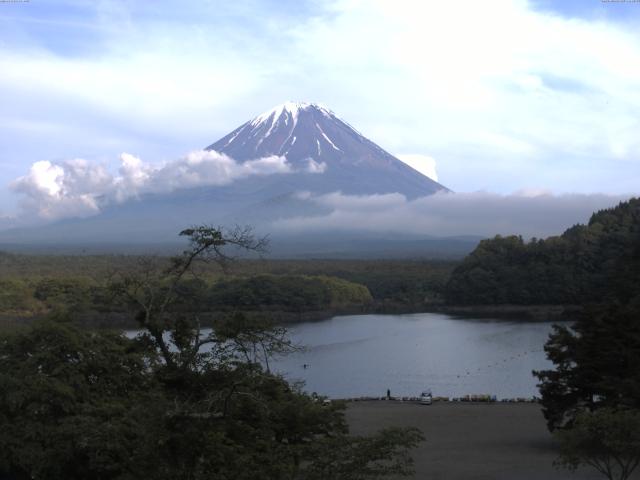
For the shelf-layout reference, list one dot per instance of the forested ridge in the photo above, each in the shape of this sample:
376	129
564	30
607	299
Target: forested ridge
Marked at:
32	286
586	264
288	292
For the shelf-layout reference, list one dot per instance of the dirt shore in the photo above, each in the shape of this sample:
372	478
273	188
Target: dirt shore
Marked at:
471	441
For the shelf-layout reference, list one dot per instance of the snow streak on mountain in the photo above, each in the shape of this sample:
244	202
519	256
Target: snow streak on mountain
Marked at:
312	138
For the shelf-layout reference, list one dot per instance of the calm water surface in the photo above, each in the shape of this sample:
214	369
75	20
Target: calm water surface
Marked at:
364	355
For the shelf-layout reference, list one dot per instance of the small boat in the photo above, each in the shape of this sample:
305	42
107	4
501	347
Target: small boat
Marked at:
426	398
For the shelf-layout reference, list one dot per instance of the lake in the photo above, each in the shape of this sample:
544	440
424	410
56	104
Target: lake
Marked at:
364	355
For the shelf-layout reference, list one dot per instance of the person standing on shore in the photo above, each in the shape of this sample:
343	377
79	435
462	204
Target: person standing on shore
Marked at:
388	394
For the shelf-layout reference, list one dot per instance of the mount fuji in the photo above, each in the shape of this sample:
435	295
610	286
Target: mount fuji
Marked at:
319	154
311	137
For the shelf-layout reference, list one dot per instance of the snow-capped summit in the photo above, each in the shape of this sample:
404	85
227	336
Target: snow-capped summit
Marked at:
289	111
351	163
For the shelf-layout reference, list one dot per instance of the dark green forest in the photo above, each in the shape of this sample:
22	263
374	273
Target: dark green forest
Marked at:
287	292
586	264
33	286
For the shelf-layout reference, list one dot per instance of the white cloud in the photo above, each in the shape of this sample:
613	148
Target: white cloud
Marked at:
422	163
139	86
45	177
315	167
197	168
360	203
531	213
72	188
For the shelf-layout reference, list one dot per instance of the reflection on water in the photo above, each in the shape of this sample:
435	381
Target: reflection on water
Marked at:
366	354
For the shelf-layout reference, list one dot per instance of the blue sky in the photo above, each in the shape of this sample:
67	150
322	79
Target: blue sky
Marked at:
506	96
614	11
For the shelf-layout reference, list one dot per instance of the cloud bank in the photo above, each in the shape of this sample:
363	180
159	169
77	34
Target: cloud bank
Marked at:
79	188
528	214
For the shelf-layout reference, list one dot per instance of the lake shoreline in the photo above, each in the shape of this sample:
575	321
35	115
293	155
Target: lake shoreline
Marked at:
525	313
534	313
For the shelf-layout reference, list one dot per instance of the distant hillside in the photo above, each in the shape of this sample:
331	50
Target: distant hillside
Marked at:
587	263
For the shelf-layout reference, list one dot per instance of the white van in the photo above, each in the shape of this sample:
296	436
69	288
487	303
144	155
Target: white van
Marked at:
426	398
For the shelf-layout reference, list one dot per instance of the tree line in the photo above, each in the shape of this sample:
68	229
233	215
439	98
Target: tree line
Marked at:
586	264
34	286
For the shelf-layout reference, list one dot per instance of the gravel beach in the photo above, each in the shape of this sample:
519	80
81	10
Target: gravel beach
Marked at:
497	441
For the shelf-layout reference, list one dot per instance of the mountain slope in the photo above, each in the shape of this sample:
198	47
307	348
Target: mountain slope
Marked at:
306	131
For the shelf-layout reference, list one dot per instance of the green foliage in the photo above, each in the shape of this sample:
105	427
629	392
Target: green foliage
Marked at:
71	294
574	268
17	295
592	397
607	440
598	359
76	404
33	286
288	292
73	404
597	364
411	283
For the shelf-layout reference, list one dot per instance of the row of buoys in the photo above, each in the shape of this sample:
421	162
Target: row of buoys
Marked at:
504	360
464	398
479	369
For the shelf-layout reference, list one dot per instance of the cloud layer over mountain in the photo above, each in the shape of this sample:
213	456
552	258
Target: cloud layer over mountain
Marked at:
444	214
78	188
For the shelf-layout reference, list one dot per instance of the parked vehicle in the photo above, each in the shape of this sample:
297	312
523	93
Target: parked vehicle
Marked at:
426	398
